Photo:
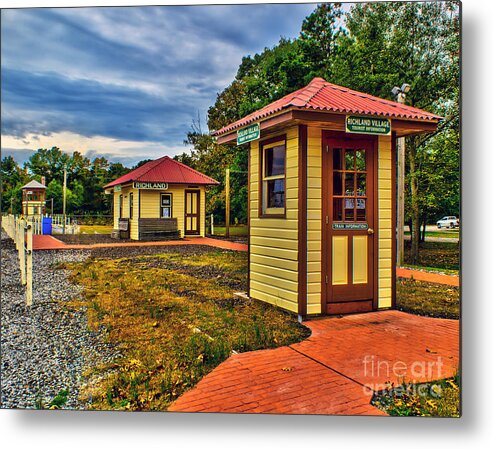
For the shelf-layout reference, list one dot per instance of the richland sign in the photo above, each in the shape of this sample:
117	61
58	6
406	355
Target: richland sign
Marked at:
248	134
151	185
367	125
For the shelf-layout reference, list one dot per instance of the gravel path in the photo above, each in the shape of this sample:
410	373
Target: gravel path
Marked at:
46	348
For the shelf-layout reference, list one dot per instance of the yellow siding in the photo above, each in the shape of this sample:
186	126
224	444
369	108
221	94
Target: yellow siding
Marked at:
116	210
274	241
314	220
31	205
385	232
134	222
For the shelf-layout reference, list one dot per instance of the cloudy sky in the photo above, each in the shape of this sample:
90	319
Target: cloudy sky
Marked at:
124	82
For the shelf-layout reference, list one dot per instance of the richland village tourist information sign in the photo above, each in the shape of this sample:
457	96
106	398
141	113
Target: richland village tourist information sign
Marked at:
367	125
248	134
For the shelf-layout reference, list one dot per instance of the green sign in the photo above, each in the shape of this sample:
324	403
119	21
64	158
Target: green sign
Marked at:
248	134
118	188
349	226
367	125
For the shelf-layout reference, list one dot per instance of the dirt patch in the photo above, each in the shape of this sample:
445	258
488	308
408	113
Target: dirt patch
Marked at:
87	239
233	238
135	251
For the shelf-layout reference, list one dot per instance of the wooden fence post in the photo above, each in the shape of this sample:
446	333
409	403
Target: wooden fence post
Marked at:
29	266
21	248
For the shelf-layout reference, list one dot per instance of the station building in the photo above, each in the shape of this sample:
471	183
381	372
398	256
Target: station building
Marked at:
160	199
33	199
322	197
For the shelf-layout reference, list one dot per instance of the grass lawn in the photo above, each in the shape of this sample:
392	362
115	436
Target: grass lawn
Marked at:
95	229
427	299
440	398
441	255
174	319
239	230
444	233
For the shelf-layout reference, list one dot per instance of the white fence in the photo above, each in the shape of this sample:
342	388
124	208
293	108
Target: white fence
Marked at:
21	232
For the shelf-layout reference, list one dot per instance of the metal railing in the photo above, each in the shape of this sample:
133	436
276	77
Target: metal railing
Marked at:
21	230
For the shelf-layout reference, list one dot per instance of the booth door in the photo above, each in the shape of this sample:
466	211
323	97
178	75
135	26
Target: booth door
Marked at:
348	238
192	212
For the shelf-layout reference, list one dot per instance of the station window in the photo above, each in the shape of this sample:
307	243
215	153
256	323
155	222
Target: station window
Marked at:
166	205
121	207
273	178
131	205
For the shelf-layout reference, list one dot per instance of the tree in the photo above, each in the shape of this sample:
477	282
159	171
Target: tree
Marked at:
48	163
12	179
54	190
391	43
319	33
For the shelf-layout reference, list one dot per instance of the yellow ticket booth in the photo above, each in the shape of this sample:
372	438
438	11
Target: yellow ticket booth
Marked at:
160	199
322	189
33	199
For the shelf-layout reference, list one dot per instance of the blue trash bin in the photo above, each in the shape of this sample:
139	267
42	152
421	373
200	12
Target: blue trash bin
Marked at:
46	225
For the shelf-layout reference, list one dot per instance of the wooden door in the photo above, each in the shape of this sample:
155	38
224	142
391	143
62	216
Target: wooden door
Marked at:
192	212
349	202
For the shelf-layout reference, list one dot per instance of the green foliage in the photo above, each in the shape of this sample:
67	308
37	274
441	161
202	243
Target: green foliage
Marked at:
85	180
12	178
59	400
439	398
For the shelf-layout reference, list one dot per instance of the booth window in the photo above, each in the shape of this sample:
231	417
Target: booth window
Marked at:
166	204
131	205
121	206
273	184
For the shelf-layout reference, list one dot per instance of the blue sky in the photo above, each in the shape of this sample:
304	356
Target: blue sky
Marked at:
124	82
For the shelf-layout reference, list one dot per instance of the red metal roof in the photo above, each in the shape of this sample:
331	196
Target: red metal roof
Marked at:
324	96
164	169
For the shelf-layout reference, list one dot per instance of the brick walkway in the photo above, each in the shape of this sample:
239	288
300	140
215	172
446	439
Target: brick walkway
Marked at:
335	371
426	276
47	242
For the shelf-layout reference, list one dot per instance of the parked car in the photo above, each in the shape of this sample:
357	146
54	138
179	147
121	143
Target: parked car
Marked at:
448	222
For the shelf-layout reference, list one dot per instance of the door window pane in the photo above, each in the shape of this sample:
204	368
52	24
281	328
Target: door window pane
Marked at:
360	209
349	184
361	185
360	160
349	158
337	182
337	159
349	209
337	212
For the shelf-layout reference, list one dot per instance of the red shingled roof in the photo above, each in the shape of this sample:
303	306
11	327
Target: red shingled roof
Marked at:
324	96
164	169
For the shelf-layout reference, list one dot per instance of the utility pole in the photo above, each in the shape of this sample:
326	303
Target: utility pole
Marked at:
64	197
400	93
227	203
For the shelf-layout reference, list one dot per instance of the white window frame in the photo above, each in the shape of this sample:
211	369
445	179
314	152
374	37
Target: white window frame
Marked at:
265	179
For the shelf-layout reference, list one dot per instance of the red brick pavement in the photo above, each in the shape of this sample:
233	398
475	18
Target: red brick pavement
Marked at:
47	242
335	371
426	276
